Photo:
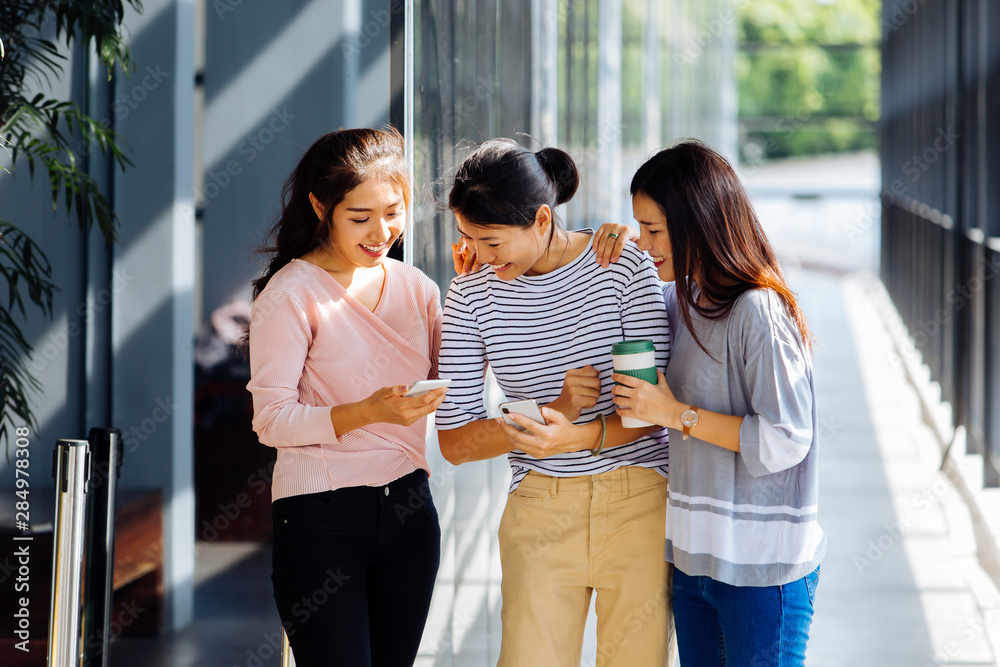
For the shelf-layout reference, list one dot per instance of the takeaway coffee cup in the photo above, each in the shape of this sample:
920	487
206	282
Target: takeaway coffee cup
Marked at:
638	359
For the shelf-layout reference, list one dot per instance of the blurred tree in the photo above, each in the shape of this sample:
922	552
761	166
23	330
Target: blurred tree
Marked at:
39	128
808	74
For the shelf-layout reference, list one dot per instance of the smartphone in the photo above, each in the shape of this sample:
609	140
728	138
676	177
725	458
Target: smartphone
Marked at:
526	407
421	387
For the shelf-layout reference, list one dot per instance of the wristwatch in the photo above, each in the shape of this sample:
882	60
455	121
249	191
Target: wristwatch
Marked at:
689	418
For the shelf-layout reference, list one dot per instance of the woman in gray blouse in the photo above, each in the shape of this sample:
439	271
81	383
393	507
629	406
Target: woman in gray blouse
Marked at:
740	401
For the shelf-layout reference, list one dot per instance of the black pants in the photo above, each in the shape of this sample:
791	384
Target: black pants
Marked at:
354	570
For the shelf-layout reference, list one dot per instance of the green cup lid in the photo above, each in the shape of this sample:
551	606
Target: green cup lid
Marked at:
632	347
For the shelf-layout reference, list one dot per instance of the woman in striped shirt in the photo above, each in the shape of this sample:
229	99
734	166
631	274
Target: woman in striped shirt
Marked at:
585	511
740	403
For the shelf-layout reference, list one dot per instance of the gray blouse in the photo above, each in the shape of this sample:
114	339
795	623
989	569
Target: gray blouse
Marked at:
746	518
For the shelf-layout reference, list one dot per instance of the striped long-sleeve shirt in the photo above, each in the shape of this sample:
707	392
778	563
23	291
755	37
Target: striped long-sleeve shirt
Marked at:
533	329
746	518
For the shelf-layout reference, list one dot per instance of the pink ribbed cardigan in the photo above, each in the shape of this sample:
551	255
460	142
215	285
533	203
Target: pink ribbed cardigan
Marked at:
313	346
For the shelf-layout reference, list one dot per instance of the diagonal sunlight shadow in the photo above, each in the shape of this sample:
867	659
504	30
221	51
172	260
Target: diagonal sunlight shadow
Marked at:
868	617
248	97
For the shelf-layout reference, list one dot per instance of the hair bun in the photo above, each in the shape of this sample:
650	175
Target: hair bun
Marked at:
562	172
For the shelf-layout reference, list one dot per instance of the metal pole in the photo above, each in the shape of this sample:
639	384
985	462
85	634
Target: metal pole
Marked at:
287	659
98	575
408	99
71	470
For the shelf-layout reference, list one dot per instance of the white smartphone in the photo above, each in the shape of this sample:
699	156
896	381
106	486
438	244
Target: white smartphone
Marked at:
526	407
421	387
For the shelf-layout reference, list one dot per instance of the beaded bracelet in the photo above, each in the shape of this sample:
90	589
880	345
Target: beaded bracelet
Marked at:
604	434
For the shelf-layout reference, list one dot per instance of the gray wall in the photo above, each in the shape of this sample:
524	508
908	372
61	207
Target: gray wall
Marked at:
277	76
152	321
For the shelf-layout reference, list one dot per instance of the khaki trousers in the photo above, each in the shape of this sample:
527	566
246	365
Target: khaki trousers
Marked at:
562	538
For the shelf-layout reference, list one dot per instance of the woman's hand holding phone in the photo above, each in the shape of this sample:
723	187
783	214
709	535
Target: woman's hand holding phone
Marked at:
388	405
581	389
556	436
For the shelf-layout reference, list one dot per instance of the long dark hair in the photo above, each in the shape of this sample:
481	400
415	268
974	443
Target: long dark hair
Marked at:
714	232
504	183
333	166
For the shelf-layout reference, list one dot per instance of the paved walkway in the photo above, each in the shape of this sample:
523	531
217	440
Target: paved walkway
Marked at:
900	584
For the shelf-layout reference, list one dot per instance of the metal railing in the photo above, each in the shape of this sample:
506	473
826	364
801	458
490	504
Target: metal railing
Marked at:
941	209
72	469
106	452
86	473
945	285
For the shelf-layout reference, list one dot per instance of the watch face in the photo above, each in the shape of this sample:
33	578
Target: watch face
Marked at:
689	418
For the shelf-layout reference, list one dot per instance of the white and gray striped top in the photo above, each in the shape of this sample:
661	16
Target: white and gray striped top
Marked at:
533	329
746	518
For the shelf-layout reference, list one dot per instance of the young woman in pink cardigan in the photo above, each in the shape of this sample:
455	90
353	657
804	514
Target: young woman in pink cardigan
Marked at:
337	333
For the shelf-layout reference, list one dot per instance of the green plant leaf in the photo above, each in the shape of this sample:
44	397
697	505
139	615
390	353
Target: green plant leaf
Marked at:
45	130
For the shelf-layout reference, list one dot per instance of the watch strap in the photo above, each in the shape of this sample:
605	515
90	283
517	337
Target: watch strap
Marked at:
687	429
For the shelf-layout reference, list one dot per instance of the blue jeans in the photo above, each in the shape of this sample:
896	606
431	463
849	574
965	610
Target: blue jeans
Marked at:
742	626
